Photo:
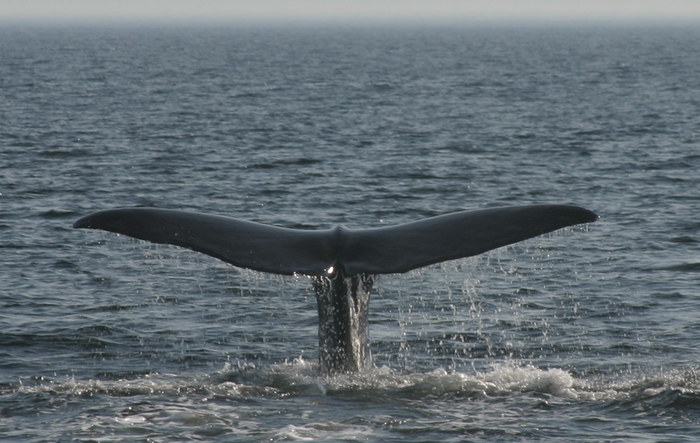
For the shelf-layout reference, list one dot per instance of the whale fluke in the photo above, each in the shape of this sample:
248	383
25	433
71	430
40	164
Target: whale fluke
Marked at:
386	250
341	262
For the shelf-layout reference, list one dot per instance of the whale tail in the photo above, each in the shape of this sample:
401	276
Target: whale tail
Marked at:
385	250
340	261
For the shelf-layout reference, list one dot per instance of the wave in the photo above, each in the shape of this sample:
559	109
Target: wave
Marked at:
678	388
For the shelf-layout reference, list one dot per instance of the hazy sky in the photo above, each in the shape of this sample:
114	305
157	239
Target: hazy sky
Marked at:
169	11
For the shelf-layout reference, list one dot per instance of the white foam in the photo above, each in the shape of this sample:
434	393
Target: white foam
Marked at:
499	380
299	378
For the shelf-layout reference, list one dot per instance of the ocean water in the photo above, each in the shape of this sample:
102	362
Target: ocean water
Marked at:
587	334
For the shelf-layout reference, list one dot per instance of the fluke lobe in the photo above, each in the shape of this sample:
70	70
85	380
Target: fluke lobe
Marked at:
341	262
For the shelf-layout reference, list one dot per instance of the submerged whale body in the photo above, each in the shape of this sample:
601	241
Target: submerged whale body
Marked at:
341	262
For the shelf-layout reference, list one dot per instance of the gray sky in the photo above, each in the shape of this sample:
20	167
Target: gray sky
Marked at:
366	11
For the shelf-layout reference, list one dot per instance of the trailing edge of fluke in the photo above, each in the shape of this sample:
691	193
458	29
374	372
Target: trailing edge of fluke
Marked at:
384	250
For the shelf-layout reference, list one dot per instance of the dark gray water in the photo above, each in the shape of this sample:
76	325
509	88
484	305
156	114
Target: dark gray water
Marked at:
588	334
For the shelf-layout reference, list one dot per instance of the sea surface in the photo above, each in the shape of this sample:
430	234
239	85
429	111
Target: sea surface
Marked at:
591	333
